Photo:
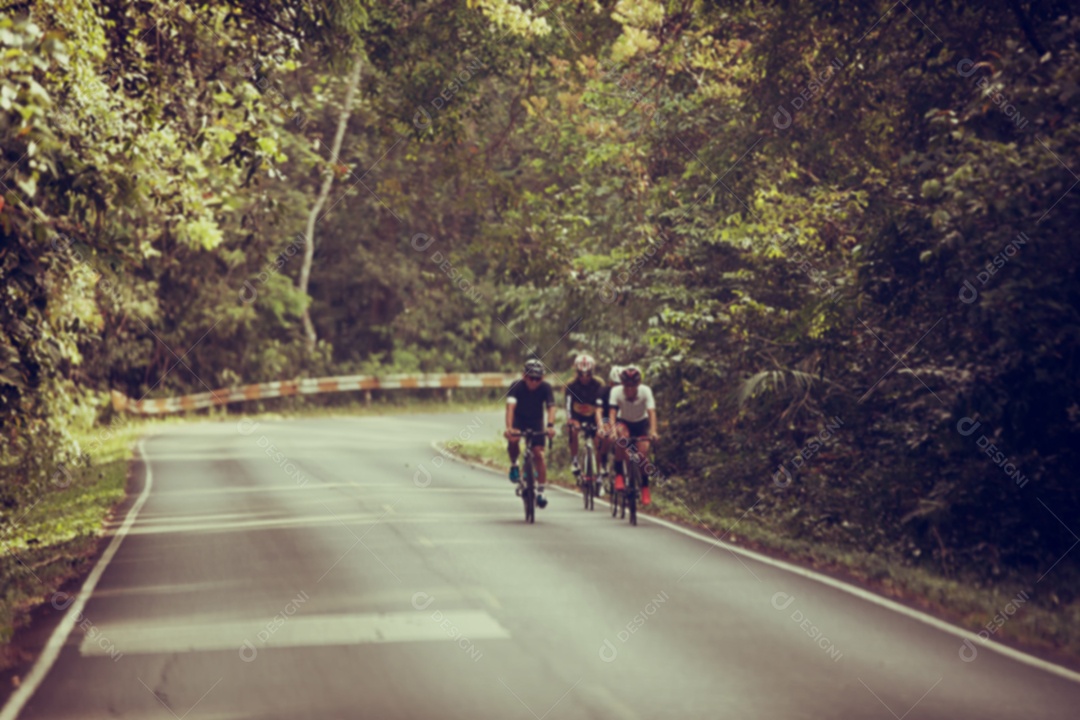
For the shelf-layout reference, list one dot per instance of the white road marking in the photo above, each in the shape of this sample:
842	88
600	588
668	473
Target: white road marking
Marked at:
180	525
143	637
59	636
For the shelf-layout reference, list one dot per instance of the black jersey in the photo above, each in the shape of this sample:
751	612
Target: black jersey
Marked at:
582	398
529	405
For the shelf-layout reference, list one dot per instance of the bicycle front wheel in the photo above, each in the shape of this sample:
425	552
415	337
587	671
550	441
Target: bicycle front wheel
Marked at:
528	495
590	472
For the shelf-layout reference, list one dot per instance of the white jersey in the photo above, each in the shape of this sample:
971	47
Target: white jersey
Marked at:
634	410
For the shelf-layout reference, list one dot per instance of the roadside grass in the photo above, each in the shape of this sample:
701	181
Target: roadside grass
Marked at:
1054	630
54	539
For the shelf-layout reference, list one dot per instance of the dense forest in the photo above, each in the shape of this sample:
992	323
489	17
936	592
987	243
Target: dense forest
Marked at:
835	236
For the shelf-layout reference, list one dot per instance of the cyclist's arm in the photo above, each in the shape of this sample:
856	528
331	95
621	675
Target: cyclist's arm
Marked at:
550	401
650	405
510	403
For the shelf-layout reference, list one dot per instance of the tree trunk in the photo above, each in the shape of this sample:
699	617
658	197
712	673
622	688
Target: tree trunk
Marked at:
324	193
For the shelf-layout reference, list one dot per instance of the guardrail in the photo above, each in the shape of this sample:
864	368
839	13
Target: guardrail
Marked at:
308	386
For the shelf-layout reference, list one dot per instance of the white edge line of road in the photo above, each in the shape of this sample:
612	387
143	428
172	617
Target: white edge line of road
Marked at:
858	592
60	635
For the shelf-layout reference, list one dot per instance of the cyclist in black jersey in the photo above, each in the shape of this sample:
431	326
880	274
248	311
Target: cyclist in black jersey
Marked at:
527	401
582	398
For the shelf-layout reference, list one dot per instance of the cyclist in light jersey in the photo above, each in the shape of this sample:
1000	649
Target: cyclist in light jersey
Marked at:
633	413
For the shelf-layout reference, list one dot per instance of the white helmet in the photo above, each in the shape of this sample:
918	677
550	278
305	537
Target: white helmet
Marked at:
613	376
584	363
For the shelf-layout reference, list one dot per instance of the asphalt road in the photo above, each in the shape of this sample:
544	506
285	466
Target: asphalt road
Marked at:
355	576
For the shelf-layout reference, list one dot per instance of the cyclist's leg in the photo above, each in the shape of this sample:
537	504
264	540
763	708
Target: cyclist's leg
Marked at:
514	448
643	458
575	428
622	434
603	448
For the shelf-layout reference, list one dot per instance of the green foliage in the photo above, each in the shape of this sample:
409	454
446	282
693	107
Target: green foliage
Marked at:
774	209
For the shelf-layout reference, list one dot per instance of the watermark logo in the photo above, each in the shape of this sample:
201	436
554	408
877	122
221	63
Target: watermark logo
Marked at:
967	67
420	242
967	427
62	601
61	477
782	601
421	601
782	118
968	652
608	650
281	460
783	476
422	477
249	651
608	291
968	292
422	119
246	426
249	290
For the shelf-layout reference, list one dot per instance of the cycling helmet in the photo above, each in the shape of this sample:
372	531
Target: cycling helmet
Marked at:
534	369
630	376
584	363
614	375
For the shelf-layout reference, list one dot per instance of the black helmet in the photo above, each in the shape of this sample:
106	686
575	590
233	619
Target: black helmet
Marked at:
630	375
534	368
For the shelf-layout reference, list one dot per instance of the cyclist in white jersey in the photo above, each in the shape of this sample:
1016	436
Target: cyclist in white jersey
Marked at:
632	411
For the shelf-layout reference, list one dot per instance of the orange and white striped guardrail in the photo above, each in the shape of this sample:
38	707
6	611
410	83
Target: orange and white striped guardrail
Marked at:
308	386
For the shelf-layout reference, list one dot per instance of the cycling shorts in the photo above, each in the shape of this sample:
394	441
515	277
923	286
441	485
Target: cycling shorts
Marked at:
639	428
535	441
582	418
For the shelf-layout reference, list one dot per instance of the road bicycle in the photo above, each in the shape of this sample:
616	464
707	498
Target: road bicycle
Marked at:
587	463
527	485
632	491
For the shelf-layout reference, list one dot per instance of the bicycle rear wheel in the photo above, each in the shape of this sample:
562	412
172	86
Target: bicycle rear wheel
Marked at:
589	491
583	473
632	489
529	494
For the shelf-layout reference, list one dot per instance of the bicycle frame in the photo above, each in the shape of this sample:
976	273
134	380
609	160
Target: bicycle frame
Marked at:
587	463
528	474
633	476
